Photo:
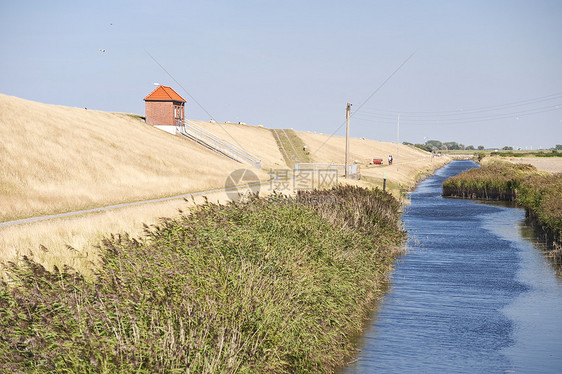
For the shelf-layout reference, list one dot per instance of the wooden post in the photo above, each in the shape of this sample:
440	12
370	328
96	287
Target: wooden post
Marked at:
347	115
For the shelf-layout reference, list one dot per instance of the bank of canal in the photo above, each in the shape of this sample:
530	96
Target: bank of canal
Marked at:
474	294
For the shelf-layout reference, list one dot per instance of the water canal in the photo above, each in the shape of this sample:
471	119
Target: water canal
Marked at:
474	294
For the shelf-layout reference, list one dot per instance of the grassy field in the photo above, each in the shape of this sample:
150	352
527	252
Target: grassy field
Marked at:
292	146
73	300
273	285
505	153
549	164
58	159
410	163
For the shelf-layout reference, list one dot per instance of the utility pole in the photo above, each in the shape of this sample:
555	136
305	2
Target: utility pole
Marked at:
347	115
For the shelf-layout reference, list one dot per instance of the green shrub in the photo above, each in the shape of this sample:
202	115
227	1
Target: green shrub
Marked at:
480	156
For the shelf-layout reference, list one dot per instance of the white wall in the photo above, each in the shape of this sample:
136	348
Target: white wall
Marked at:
170	129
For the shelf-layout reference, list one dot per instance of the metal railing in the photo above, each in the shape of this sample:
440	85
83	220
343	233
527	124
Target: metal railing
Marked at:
219	145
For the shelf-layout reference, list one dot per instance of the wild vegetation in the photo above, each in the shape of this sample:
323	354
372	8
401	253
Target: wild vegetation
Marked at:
539	193
276	284
542	196
495	181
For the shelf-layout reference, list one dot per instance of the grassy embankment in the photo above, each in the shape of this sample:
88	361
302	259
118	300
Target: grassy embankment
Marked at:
272	285
58	159
539	193
292	147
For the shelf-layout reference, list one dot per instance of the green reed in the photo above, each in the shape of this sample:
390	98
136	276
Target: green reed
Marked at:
539	193
271	285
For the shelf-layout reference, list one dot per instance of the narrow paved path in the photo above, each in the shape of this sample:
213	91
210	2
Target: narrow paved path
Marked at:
110	207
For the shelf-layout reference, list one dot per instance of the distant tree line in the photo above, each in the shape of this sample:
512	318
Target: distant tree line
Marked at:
436	146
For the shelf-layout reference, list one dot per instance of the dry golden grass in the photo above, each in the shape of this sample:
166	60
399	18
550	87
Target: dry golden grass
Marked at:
58	159
259	141
409	162
549	164
72	241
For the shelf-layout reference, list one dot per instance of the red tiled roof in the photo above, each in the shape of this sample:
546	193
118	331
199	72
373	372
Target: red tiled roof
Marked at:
163	93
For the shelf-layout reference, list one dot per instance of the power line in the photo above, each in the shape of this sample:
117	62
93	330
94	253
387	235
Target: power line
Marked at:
179	84
463	117
385	81
515	104
192	98
365	102
460	120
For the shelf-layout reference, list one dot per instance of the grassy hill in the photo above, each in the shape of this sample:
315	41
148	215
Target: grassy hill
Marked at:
57	159
409	162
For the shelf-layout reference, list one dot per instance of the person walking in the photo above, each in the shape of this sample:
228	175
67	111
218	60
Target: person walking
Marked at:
390	159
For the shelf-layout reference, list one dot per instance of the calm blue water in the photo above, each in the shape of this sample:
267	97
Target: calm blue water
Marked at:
471	296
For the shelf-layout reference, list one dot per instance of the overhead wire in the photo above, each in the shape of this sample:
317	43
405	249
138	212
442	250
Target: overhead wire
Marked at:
367	100
515	109
192	98
404	121
515	104
462	119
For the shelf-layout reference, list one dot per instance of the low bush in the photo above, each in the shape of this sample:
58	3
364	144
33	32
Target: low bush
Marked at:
271	285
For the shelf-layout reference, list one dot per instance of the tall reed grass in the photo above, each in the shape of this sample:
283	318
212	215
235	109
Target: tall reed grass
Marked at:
495	181
542	197
273	285
539	193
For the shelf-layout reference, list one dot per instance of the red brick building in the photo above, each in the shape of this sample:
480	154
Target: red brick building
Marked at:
164	107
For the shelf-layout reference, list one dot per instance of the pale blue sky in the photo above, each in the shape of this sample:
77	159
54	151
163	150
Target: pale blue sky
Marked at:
295	64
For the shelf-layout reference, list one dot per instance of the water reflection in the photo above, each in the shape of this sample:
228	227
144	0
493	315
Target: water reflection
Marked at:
468	296
537	238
